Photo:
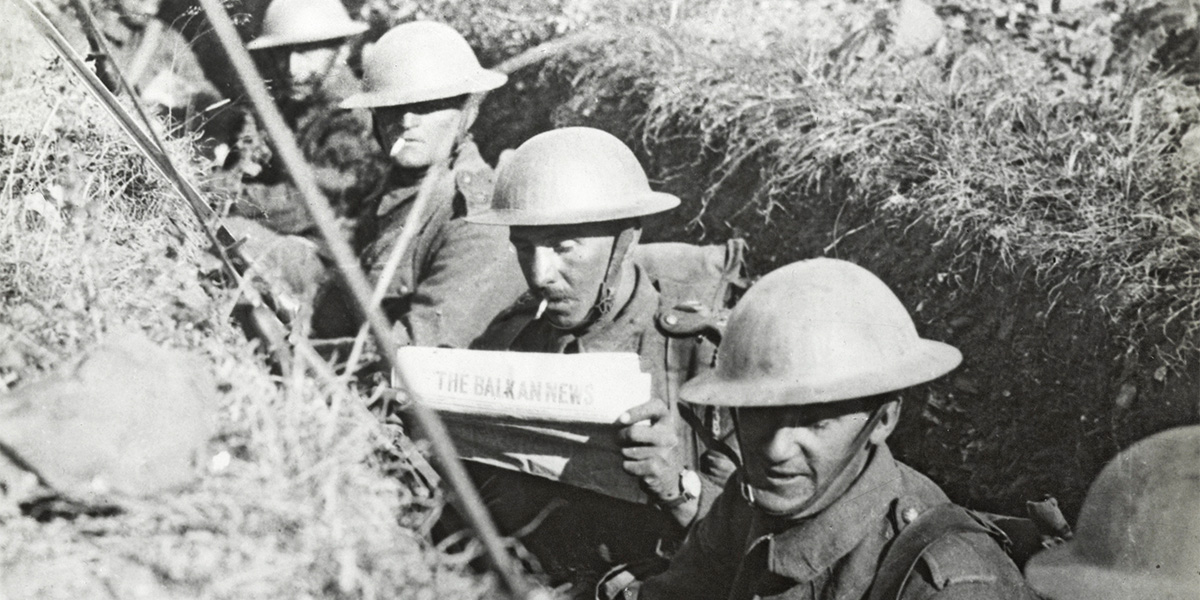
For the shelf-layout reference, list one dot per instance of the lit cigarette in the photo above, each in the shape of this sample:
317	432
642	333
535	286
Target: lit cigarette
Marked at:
541	309
216	105
396	147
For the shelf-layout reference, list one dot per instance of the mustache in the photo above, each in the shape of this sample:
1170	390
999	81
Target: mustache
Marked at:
551	295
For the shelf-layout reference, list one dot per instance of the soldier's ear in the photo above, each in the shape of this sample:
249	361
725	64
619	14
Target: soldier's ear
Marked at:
887	423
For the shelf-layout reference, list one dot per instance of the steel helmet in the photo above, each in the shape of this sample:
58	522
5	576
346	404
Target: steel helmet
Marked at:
293	22
572	175
421	61
1139	531
815	331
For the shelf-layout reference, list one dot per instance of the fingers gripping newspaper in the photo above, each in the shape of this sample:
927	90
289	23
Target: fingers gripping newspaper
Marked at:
550	415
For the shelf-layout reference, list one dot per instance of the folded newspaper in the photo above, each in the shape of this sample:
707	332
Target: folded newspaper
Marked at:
550	415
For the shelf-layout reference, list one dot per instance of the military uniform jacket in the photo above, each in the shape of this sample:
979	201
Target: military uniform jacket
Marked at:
634	328
736	553
578	534
455	276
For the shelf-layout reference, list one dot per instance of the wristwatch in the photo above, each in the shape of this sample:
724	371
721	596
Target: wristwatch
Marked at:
689	489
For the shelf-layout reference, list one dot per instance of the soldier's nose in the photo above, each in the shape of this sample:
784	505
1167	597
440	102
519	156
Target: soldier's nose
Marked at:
543	268
779	447
411	120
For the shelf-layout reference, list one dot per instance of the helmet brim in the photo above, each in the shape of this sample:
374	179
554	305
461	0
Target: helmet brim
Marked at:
1060	573
648	203
346	30
482	81
927	361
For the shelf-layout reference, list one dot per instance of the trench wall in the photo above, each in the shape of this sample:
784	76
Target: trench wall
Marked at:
1051	386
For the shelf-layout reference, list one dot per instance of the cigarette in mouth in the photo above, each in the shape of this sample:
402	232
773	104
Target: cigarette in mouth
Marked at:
541	309
396	147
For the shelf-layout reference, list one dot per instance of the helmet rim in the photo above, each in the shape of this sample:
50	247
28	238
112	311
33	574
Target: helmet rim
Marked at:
645	204
342	31
927	360
482	81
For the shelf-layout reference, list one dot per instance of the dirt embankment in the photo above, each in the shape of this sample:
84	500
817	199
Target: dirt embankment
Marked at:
301	493
1050	387
1034	212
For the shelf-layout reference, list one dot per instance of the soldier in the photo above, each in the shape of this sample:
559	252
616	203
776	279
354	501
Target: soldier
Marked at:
456	275
573	200
301	51
1139	530
812	362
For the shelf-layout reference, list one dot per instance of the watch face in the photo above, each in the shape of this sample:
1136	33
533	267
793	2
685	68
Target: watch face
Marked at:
689	481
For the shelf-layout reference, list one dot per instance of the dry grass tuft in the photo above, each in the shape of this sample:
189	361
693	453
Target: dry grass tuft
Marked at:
1048	141
295	503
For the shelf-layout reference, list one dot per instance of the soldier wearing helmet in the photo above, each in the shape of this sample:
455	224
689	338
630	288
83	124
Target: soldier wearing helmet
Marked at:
811	364
455	275
301	51
1139	530
572	201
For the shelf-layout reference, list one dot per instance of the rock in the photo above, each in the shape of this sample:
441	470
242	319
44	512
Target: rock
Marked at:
1072	5
70	576
1126	395
917	27
290	264
130	417
1189	147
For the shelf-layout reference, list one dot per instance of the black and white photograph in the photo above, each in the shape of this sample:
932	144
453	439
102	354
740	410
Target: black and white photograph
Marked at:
600	299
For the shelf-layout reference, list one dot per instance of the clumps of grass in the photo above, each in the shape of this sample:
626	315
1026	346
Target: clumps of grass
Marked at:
295	500
1033	139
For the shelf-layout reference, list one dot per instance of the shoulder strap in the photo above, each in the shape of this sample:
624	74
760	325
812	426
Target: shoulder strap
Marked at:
910	544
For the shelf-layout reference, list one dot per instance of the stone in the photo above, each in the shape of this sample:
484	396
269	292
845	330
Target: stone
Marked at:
1189	147
129	418
290	264
917	27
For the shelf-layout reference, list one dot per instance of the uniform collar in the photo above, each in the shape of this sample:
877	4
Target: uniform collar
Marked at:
811	547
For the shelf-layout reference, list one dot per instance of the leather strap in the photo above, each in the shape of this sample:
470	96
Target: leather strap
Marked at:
706	436
606	295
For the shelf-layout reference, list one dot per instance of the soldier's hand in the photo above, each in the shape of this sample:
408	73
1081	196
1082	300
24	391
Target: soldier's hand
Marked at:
647	441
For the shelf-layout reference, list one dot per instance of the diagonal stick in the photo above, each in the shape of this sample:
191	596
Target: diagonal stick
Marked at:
321	214
530	57
94	33
263	315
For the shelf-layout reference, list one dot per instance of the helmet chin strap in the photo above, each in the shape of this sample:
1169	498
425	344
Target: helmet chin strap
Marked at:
606	295
860	441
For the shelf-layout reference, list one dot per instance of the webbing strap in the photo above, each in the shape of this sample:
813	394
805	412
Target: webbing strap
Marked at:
706	435
906	550
606	295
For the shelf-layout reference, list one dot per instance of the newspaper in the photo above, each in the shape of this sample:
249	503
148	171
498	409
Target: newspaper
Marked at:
549	415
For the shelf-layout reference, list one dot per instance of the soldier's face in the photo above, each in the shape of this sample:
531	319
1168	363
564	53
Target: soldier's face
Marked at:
564	265
790	452
418	135
297	71
307	66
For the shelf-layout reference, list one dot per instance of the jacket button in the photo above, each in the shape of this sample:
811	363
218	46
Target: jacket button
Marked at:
909	515
671	320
